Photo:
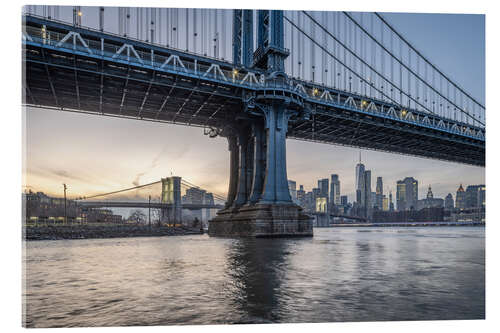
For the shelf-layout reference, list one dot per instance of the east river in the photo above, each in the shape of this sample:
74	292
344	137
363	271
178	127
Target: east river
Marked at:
341	274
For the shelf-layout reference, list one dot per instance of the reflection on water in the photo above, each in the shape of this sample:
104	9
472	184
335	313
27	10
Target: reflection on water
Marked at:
339	275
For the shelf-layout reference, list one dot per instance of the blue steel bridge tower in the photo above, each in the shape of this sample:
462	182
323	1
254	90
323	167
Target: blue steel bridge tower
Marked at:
259	202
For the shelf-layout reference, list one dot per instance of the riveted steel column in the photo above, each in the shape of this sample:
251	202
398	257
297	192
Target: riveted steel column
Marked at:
241	195
282	190
269	192
249	165
247	38
237	26
233	169
276	183
259	161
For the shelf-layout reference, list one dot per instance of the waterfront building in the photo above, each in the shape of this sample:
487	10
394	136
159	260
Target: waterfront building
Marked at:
292	187
301	196
481	196
323	187
41	208
430	201
448	202
209	200
407	194
360	182
472	196
367	194
310	205
193	196
385	203
433	214
335	190
460	198
343	200
379	194
391	204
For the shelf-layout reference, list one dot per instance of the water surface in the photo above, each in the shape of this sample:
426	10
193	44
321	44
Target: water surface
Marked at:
341	274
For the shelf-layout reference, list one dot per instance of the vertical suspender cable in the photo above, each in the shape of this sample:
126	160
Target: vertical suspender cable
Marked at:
160	26
204	13
216	35
291	58
187	29
324	70
195	30
349	42
223	34
392	64
363	56
127	23
400	73
332	63
148	20
372	55
137	13
345	54
409	78
382	59
101	19
313	53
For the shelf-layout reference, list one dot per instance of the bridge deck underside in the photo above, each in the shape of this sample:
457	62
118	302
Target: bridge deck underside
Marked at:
341	127
72	82
65	81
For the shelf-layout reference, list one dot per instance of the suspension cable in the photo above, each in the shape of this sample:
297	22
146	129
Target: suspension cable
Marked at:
410	70
426	60
344	65
368	66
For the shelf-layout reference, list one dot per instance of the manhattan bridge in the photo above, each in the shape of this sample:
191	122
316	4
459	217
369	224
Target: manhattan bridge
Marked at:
255	77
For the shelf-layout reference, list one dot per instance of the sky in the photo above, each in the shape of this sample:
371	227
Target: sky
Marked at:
95	154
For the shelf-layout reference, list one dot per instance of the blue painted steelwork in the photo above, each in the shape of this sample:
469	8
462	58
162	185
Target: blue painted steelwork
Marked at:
184	88
237	34
247	38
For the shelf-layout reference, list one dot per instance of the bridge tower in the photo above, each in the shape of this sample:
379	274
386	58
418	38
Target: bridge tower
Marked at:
259	202
171	194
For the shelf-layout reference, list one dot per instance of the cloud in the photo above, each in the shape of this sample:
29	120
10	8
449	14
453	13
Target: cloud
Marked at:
178	153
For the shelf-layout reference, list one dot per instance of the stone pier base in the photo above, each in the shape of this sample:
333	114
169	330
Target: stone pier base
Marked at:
262	220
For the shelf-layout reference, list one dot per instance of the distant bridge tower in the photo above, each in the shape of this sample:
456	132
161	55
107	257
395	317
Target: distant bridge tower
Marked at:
171	194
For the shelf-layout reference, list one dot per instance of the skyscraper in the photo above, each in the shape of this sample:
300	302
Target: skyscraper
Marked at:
367	193
301	196
379	194
407	194
460	198
391	204
472	196
385	203
448	202
481	196
292	187
360	182
335	190
323	187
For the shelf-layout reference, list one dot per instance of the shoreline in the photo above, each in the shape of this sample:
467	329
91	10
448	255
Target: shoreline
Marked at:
62	232
405	224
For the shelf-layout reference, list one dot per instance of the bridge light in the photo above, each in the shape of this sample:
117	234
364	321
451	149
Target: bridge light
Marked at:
80	13
315	91
363	103
235	71
403	112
